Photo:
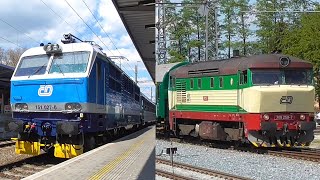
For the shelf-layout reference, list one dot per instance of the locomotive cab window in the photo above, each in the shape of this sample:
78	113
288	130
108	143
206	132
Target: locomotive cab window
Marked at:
75	62
32	65
282	77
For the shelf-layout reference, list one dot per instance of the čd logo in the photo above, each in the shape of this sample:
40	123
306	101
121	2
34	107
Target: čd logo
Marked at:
286	100
45	90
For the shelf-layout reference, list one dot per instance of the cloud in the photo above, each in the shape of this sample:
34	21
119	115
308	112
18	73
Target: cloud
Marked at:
110	19
35	22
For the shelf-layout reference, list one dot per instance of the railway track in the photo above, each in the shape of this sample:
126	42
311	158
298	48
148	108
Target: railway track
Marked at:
294	153
191	168
171	175
6	143
304	154
28	166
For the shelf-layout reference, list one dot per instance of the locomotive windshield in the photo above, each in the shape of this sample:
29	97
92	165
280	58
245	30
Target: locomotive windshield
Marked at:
288	77
32	65
73	62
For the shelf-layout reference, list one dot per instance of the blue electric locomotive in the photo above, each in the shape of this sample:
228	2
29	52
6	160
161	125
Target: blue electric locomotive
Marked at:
67	97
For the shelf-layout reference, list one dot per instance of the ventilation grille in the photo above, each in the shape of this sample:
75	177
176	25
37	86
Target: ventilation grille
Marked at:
204	71
181	91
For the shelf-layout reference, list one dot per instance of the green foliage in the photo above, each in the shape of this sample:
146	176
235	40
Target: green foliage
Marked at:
175	56
186	27
304	42
296	34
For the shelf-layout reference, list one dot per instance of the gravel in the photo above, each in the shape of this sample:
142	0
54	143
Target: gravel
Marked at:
8	155
255	166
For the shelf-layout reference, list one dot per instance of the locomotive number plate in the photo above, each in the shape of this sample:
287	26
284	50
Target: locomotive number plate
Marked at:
284	117
46	107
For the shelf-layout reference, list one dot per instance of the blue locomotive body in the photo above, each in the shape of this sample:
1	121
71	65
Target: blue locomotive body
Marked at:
67	98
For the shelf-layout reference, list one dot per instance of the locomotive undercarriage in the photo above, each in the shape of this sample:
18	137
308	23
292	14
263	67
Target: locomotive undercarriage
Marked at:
65	138
271	136
230	131
234	131
62	145
280	138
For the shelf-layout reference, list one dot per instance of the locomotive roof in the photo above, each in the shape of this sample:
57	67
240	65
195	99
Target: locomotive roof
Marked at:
65	48
233	65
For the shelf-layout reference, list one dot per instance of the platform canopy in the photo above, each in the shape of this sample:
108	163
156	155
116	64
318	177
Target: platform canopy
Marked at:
138	16
5	75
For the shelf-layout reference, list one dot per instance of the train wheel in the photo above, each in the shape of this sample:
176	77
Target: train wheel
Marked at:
89	143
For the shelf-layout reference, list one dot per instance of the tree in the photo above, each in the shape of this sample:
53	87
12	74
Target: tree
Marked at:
304	42
242	29
185	29
229	25
271	25
13	56
2	56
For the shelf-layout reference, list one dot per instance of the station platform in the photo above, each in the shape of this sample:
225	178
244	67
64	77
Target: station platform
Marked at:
130	157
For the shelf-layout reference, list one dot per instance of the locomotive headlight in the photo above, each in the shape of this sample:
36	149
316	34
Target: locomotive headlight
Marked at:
68	106
52	48
25	106
55	47
21	106
302	117
73	106
49	48
266	117
77	106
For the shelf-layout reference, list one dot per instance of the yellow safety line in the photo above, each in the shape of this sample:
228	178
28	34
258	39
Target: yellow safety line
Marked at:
110	166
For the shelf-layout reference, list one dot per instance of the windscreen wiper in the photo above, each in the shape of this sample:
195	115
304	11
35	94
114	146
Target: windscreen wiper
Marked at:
60	69
36	71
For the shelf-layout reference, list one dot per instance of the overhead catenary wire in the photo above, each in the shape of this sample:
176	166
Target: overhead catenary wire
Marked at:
19	30
10	41
88	26
61	17
104	31
91	30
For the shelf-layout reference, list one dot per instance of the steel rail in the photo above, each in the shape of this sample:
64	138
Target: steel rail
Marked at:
201	170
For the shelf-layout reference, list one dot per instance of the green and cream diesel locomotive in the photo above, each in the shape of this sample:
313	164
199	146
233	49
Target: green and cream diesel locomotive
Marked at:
265	99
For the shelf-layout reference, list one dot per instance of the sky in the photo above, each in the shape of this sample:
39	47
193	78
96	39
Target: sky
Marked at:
29	23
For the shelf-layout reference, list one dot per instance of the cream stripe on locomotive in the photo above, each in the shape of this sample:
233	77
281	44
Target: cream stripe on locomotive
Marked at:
277	98
214	97
256	99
